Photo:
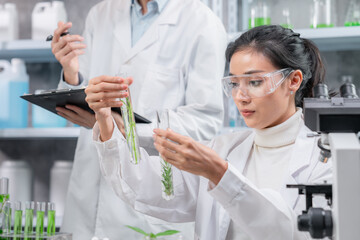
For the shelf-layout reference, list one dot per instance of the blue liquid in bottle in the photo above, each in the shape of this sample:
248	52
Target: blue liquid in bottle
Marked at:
18	106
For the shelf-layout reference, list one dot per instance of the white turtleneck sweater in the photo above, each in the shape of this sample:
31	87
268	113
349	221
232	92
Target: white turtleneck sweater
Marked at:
269	159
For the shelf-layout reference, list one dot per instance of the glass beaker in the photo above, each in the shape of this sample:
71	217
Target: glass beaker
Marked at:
353	14
323	14
167	184
259	13
127	114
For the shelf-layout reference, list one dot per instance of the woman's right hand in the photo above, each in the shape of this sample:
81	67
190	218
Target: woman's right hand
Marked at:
102	94
66	50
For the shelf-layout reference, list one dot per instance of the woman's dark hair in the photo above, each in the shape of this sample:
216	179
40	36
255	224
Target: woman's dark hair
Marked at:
285	49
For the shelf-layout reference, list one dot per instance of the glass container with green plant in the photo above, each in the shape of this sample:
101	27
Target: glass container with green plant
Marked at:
4	196
127	114
157	236
166	168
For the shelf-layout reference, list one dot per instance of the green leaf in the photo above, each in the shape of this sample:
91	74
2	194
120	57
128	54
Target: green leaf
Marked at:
137	230
167	233
152	235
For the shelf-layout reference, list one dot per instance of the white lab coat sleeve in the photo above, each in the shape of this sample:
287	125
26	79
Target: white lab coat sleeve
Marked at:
256	211
84	60
140	185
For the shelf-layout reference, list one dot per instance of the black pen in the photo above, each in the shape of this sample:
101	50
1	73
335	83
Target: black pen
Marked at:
50	37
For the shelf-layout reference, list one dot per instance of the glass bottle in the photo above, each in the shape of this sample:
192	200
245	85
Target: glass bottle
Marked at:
323	14
259	13
353	14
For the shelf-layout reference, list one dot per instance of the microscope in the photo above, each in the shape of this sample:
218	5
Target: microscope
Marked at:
337	120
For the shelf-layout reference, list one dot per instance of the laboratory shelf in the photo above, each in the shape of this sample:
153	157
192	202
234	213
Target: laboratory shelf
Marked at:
39	133
32	51
328	39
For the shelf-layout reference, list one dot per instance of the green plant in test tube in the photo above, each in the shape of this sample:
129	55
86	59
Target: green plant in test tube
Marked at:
127	114
4	197
6	218
166	168
40	213
29	216
51	219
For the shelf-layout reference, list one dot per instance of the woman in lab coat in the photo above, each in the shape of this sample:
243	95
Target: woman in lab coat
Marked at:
234	186
175	64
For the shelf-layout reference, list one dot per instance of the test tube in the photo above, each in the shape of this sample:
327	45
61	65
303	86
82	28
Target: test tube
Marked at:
6	218
29	215
17	218
51	219
40	213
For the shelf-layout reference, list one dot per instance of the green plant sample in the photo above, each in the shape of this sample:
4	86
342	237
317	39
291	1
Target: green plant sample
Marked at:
39	222
3	199
167	180
51	222
152	235
130	129
29	214
17	222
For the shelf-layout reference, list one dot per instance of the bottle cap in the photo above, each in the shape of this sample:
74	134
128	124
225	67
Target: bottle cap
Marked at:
4	186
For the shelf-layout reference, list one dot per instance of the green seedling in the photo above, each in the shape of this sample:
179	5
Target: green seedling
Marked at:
130	129
152	235
167	178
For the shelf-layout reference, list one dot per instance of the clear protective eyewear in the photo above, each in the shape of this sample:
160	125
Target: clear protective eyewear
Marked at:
255	86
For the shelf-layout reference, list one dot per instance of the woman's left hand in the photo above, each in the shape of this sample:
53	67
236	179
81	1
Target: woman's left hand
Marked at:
188	155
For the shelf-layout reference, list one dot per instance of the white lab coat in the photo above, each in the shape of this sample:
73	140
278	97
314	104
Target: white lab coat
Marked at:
260	213
177	64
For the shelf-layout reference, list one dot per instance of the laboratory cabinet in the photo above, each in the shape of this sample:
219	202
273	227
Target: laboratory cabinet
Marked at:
340	47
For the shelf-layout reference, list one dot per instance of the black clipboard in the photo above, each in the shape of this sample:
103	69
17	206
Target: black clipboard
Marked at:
51	99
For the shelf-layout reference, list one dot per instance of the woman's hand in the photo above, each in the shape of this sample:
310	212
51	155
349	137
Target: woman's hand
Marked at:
102	94
188	155
66	50
119	122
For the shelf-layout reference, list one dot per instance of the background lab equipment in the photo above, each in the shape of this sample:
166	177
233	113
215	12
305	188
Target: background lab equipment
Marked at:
338	121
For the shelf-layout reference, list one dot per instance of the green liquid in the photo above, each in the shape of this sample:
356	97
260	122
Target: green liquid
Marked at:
51	222
40	222
285	25
351	24
17	222
29	215
259	22
322	25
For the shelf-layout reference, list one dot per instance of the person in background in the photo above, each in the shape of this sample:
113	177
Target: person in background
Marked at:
233	187
173	50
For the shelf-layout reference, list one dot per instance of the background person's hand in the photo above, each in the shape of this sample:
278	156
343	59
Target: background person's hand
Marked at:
188	155
66	50
77	115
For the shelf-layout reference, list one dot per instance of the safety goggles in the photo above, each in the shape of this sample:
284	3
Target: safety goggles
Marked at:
253	85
